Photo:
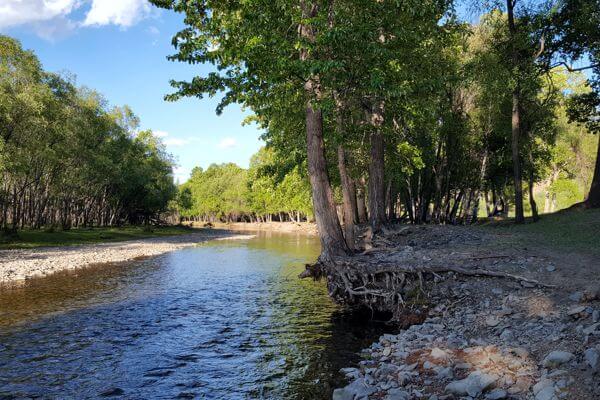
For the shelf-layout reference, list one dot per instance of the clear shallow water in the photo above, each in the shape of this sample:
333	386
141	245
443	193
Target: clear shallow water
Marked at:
226	319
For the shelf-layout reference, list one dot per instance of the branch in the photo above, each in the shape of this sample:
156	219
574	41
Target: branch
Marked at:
571	69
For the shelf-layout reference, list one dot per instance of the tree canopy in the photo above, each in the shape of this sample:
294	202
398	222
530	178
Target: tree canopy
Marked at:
66	158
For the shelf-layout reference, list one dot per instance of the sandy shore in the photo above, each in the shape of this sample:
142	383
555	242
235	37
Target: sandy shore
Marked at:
21	264
284	227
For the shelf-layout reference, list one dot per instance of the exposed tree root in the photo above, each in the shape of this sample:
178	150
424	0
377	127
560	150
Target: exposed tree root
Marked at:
392	288
397	270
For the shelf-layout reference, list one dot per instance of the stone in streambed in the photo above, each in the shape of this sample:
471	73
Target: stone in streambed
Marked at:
496	394
354	391
592	356
544	390
473	385
557	358
397	394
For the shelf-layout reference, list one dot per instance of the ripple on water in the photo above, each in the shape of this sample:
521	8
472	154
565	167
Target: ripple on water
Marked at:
222	320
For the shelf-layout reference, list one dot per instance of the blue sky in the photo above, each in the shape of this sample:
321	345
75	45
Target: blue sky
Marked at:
119	48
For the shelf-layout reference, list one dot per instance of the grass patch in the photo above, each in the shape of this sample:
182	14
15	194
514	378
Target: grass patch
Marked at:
27	239
574	229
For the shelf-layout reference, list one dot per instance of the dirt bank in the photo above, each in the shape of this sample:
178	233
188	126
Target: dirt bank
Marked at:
21	264
486	337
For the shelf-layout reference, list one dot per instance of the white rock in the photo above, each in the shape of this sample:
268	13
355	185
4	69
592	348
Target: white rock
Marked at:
439	354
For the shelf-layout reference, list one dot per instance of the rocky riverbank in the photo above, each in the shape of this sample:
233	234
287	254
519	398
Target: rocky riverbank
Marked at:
491	338
21	264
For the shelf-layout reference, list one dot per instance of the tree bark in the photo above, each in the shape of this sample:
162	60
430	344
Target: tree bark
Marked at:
330	232
360	202
376	182
593	199
516	120
347	198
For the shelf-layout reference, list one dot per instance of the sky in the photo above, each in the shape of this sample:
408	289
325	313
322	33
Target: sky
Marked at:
119	48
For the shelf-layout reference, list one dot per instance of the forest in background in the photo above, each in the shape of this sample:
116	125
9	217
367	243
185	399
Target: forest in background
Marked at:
67	159
405	108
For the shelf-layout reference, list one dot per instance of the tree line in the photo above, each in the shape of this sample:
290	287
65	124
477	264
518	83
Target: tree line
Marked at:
403	106
67	159
268	190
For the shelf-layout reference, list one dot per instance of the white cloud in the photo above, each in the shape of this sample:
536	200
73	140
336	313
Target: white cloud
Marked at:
181	174
175	142
52	19
227	143
160	134
123	13
153	31
19	12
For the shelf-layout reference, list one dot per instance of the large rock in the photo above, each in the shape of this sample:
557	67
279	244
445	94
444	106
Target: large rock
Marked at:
357	390
557	358
473	385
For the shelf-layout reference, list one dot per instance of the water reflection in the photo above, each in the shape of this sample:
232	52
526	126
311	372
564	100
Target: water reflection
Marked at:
227	319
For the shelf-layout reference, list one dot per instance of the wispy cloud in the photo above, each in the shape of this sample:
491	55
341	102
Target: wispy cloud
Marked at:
176	142
227	143
160	134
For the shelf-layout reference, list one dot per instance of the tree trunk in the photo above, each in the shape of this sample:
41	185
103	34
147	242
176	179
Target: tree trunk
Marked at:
516	119
360	202
376	182
593	199
330	232
347	199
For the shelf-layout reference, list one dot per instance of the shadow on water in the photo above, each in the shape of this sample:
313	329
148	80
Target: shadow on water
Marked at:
226	319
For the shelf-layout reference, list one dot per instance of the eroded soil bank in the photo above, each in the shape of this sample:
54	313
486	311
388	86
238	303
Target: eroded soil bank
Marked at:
22	264
486	337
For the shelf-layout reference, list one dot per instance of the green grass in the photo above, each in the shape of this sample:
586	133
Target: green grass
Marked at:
38	238
575	229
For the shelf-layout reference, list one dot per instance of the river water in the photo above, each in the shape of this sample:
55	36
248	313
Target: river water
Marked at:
226	319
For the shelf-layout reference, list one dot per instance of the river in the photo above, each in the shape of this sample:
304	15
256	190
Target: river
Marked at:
225	319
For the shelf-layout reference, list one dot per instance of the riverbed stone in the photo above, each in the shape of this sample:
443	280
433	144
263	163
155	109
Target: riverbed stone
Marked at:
357	390
576	311
473	385
397	394
592	357
557	358
496	394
